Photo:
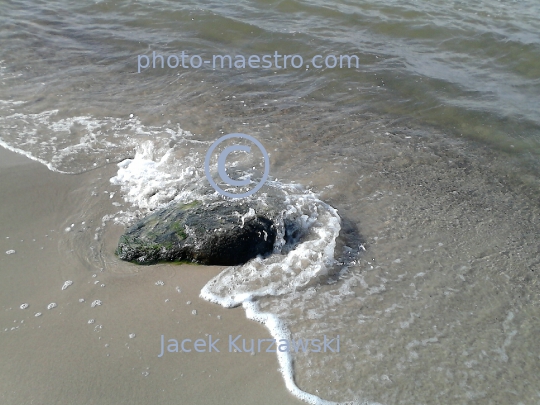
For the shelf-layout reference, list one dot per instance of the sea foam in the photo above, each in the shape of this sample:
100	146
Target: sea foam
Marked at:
156	177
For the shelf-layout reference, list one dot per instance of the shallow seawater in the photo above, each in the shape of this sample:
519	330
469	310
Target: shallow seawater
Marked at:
426	155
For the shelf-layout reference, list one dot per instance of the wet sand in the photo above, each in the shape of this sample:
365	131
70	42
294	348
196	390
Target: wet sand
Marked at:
76	353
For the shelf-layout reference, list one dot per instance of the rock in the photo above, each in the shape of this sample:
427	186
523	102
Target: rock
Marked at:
219	233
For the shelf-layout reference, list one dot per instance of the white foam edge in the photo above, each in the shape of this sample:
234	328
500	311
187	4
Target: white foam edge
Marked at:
278	331
31	157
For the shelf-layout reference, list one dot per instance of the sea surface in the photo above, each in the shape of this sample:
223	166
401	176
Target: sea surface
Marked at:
412	180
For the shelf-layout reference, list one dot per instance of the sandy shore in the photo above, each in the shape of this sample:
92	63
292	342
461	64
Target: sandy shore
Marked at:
78	354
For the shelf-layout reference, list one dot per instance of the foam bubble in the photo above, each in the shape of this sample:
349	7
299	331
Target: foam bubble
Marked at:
95	303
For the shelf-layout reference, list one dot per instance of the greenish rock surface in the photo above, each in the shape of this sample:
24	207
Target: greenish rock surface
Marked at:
220	233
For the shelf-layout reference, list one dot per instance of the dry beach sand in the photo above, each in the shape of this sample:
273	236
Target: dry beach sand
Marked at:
78	354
